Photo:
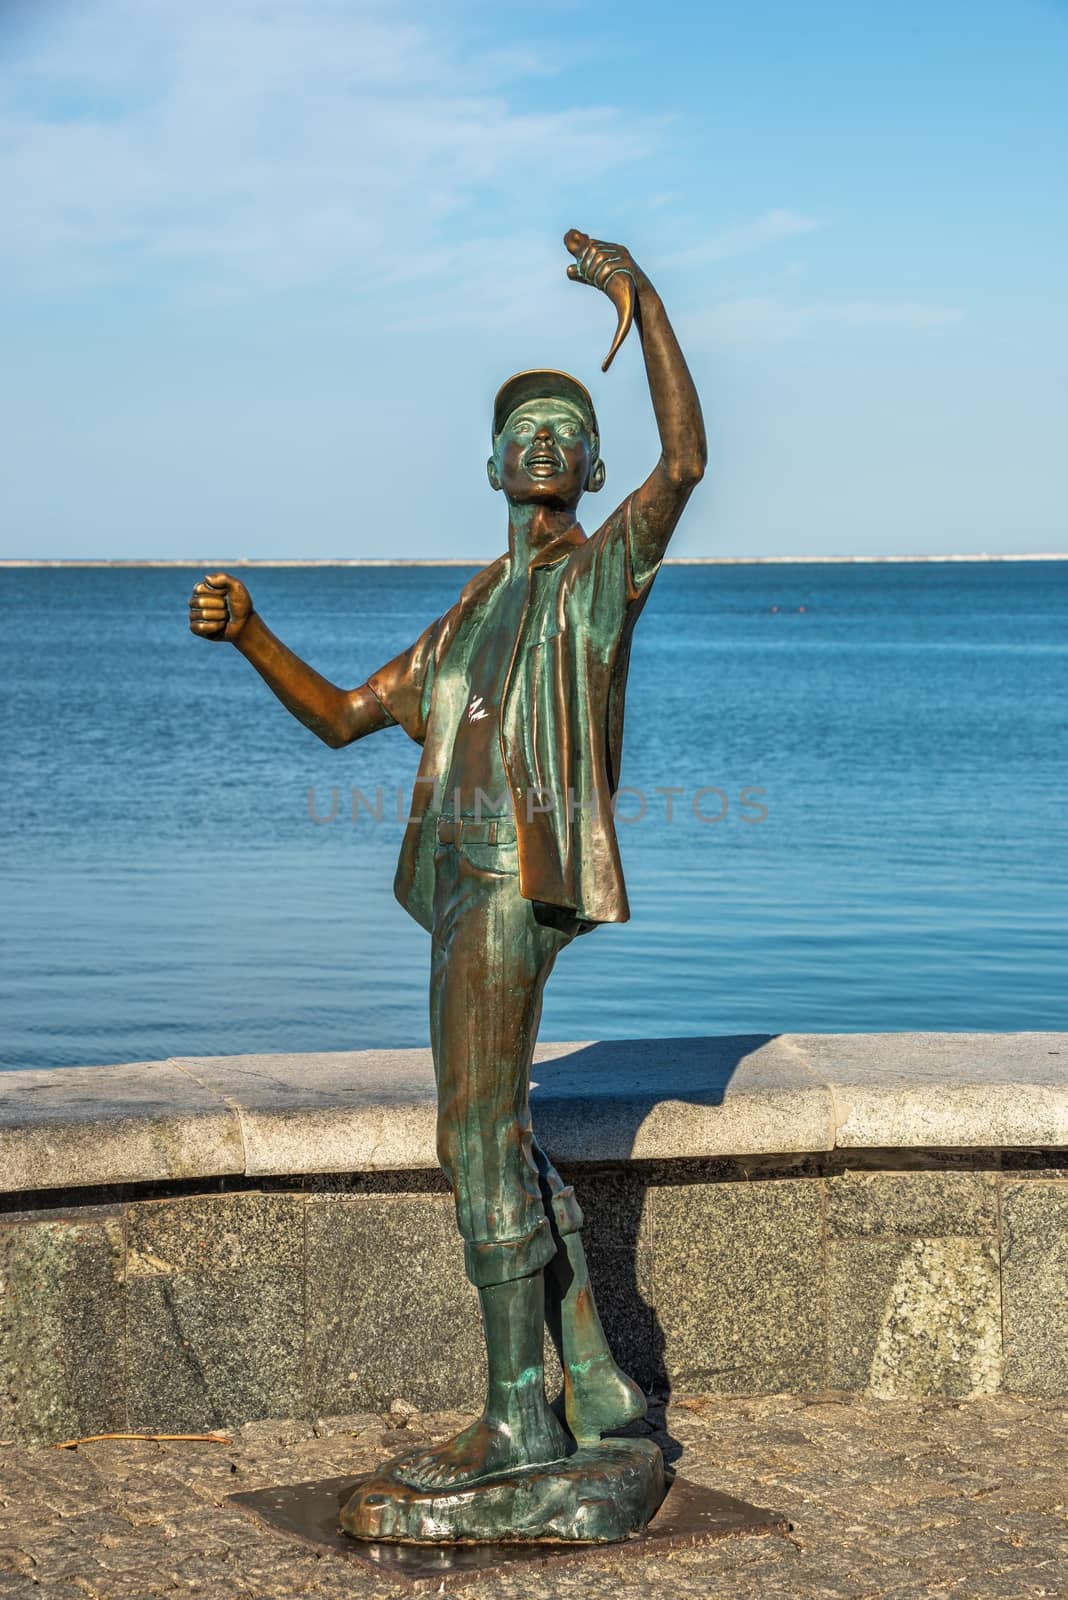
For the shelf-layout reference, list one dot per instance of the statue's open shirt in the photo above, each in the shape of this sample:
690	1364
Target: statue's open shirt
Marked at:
561	719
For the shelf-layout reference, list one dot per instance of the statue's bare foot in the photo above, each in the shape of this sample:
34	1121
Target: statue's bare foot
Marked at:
598	1398
486	1448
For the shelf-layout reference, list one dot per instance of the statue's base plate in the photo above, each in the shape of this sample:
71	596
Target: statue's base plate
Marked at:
598	1495
690	1515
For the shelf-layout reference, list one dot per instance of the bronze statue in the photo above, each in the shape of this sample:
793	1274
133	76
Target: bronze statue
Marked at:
516	696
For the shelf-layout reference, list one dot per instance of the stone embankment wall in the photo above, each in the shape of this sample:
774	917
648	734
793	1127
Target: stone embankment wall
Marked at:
192	1244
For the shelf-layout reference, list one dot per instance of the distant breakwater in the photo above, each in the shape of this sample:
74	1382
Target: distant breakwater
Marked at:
478	561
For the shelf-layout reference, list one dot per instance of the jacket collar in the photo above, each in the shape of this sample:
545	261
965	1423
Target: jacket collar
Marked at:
485	581
559	547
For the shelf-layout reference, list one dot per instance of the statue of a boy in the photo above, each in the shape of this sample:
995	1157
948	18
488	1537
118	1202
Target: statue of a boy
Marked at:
516	695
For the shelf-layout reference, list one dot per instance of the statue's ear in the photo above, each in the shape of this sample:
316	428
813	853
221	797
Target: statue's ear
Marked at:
596	477
492	474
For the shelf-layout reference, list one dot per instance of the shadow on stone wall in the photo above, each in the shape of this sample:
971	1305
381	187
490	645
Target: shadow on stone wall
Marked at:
621	1234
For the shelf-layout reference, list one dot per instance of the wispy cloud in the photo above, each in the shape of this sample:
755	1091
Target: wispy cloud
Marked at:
741	238
269	143
498	294
765	318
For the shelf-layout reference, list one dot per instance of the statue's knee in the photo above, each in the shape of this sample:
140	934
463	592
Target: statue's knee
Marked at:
567	1213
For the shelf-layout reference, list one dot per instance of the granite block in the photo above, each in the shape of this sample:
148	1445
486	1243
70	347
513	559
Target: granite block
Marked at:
642	1098
656	1099
339	1111
943	1090
62	1352
913	1317
912	1204
738	1285
213	1349
1035	1286
650	1100
1045	1164
390	1312
148	1120
214	1233
614	1210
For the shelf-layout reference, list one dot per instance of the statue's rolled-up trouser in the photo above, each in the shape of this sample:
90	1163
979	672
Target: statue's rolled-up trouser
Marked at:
490	958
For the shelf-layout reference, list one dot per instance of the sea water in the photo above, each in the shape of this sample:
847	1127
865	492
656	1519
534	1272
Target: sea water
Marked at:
844	810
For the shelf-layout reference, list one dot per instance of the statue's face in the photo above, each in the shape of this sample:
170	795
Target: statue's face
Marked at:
544	454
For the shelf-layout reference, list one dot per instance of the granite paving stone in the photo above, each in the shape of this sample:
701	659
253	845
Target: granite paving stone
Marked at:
341	1111
647	1099
844	1472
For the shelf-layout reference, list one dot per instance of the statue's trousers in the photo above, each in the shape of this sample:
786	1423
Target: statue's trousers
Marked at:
492	952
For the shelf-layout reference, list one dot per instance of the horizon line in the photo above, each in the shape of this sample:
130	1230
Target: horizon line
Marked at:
479	561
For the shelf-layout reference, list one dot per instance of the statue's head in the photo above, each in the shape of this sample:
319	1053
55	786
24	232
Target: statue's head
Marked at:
546	449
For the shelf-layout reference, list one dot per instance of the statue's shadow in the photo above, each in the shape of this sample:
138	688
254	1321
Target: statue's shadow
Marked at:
589	1107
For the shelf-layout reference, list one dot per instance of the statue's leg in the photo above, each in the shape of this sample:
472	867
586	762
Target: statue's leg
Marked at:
489	963
598	1395
517	1428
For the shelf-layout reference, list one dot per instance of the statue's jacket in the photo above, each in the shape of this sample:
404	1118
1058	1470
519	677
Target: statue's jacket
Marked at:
560	720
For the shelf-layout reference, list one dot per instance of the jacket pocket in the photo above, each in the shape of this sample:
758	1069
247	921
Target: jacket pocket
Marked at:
502	860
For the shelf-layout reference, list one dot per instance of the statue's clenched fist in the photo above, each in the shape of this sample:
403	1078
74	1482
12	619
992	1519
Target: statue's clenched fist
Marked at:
219	607
596	260
611	268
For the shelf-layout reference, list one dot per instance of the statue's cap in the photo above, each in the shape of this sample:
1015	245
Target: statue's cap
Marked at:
541	383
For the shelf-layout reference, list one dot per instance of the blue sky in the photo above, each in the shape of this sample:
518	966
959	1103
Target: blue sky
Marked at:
266	261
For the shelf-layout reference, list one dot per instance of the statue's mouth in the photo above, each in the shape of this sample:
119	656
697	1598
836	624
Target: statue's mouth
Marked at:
543	462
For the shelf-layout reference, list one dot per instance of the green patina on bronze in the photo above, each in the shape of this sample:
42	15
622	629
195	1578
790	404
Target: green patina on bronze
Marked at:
516	695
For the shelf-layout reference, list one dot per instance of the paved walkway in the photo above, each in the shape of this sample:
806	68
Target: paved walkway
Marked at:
887	1500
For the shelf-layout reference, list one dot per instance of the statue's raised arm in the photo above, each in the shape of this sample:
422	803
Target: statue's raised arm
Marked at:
658	504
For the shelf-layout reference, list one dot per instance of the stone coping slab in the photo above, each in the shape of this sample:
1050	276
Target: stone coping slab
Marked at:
639	1099
75	1127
